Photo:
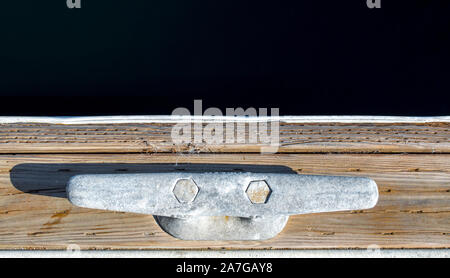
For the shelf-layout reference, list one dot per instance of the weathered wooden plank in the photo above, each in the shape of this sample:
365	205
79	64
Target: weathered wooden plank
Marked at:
294	138
413	210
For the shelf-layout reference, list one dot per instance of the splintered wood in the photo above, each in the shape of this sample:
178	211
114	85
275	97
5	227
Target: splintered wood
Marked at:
409	161
413	210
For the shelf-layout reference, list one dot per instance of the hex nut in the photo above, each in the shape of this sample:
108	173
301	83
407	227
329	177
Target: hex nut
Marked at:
185	190
258	192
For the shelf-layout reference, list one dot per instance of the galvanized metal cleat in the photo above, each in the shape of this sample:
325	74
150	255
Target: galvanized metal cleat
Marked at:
222	205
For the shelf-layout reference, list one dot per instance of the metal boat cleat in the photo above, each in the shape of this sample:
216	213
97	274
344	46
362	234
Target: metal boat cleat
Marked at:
222	205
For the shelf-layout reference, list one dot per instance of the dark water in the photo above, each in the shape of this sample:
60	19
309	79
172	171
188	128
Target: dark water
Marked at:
149	57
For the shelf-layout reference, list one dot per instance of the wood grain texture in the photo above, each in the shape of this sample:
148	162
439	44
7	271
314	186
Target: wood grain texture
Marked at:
413	210
294	138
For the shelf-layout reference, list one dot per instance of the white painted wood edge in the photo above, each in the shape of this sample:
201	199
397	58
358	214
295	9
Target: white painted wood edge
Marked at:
323	253
69	120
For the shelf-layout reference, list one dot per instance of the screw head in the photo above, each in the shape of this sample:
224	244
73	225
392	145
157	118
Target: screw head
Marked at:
185	190
258	192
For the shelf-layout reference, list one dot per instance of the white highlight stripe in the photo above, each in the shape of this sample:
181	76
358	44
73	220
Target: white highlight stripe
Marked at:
69	120
369	253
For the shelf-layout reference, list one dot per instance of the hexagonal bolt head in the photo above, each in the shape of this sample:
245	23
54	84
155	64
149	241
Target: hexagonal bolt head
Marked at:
258	192
185	190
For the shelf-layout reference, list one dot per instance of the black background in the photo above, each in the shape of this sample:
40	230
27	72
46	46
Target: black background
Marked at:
167	267
319	57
